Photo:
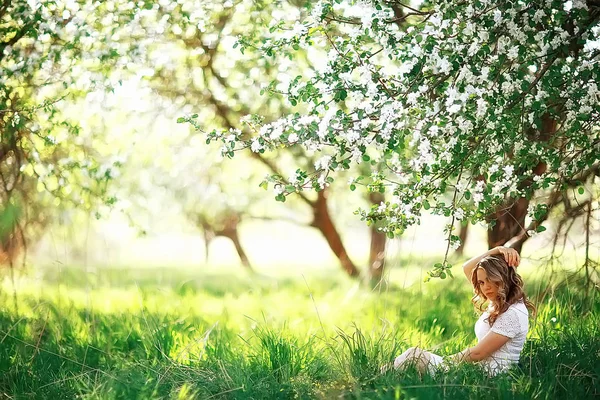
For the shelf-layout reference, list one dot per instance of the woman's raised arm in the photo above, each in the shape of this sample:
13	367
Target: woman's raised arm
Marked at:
510	255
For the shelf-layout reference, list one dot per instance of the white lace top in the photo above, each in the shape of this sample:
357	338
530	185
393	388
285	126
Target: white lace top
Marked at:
514	324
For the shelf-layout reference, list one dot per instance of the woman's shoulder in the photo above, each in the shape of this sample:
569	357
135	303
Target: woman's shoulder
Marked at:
518	305
519	309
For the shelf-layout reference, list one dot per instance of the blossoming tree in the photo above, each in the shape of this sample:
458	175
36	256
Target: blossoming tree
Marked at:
194	65
51	52
496	103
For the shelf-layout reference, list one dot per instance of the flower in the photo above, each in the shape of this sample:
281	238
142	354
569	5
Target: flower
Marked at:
292	138
459	214
256	146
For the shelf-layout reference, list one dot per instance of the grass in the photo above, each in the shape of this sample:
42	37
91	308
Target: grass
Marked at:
126	334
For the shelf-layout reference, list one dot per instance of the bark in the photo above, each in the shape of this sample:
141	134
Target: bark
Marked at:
377	250
208	234
509	223
322	221
233	235
11	246
229	229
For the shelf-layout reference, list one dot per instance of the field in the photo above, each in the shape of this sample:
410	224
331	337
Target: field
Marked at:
220	334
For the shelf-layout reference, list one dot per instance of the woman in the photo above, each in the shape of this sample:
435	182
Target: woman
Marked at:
502	328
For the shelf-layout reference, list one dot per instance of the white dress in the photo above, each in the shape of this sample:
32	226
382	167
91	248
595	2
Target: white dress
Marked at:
513	323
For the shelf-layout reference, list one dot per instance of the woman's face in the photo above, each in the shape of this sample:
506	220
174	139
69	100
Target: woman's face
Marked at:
489	289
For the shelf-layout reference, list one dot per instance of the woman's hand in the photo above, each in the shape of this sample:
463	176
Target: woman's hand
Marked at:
510	255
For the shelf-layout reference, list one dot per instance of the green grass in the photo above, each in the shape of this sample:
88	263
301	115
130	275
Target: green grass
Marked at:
181	334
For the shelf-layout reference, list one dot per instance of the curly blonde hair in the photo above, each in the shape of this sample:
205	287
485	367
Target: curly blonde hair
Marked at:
510	286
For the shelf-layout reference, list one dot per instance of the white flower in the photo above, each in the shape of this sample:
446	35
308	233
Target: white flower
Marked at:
454	109
256	146
292	138
513	52
459	214
481	107
497	17
538	16
454	244
33	4
443	66
323	163
485	71
322	181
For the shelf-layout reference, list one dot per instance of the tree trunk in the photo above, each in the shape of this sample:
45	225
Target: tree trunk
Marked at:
322	221
462	234
208	234
234	236
11	245
231	231
510	221
378	243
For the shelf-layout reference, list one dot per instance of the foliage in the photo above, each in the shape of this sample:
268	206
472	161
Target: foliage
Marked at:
490	100
126	339
52	52
193	65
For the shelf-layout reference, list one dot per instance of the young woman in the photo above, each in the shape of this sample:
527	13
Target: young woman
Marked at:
502	328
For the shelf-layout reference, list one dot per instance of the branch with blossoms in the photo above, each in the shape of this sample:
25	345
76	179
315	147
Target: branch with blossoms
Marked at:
436	102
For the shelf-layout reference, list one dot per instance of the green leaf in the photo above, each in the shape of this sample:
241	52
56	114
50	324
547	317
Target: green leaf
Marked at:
540	228
581	190
180	120
264	185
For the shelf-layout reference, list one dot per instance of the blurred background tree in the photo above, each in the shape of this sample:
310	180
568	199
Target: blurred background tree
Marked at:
51	53
195	64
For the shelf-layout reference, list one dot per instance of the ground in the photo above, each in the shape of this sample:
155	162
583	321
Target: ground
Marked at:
218	333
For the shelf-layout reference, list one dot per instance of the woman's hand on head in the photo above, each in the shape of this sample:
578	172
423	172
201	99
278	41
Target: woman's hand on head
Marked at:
510	255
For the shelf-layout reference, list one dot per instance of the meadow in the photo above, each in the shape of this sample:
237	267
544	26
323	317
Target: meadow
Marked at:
168	333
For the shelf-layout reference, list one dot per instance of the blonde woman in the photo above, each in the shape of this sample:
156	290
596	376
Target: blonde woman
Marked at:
501	329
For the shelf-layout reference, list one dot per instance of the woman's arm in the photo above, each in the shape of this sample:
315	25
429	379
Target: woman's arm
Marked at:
510	255
486	347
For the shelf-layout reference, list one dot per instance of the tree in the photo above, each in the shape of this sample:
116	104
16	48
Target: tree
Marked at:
51	53
495	101
224	86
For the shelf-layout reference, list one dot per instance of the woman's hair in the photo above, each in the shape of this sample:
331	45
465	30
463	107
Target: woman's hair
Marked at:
510	286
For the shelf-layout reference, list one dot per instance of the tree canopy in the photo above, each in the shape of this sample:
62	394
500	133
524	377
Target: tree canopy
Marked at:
52	53
475	108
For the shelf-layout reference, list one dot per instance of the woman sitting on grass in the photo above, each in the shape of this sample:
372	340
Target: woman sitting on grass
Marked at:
502	328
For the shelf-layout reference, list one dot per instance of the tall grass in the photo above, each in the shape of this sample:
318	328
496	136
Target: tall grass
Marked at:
325	338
